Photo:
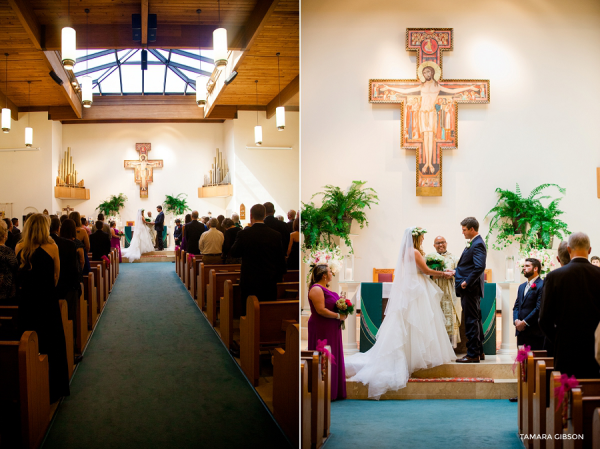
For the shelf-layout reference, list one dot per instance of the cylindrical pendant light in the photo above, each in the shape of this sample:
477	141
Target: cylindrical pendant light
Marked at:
68	44
279	111
200	91
5	110
86	91
29	129
220	44
257	128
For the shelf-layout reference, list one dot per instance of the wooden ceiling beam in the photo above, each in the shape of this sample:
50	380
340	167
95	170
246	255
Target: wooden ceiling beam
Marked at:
29	21
14	110
54	62
158	112
119	37
287	93
144	22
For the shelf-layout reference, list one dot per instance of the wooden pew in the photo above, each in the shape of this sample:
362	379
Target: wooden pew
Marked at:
596	429
177	256
319	386
24	382
203	279
543	369
216	290
288	290
9	324
99	286
81	322
68	330
182	257
527	389
285	383
554	424
230	309
194	270
291	276
111	274
90	293
305	401
524	395
102	279
584	400
261	327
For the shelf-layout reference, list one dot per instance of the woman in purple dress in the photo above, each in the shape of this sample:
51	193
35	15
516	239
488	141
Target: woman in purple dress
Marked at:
325	324
115	240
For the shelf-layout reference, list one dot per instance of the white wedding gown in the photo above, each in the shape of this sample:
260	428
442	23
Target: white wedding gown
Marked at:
141	242
413	334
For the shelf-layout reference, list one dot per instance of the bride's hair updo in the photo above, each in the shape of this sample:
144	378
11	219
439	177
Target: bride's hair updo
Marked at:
417	243
317	274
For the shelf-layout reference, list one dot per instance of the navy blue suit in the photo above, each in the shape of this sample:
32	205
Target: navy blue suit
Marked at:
158	227
470	268
527	308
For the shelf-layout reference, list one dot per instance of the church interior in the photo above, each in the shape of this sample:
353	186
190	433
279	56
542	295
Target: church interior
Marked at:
115	107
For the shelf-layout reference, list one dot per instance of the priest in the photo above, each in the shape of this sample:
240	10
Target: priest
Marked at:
450	302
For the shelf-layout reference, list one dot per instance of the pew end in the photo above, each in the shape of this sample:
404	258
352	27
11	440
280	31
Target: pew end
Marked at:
68	330
305	399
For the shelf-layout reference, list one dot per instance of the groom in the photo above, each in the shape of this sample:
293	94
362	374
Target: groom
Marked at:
158	227
469	287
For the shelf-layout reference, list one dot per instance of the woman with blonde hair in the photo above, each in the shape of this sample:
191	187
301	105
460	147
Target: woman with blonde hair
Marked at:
38	273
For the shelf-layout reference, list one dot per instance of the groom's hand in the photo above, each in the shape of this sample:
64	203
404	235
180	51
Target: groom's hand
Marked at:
463	285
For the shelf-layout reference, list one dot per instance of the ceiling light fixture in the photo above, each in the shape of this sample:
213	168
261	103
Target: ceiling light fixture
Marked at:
29	129
220	43
200	88
5	110
280	111
86	81
68	44
257	129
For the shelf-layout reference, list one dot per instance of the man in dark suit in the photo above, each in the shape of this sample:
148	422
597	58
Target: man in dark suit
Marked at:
159	223
291	218
193	231
99	243
263	262
11	240
15	230
570	311
277	225
469	280
526	311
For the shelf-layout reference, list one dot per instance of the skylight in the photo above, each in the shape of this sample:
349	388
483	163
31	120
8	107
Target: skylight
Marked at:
119	72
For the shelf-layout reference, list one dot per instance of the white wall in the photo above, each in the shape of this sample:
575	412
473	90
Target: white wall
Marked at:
541	124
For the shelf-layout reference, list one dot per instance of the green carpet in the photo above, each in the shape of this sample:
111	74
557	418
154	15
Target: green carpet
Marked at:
431	423
155	375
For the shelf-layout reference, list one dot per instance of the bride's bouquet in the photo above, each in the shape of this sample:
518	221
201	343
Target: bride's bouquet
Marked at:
435	262
344	306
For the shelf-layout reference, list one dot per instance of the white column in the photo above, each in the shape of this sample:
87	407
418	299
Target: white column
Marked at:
349	334
509	339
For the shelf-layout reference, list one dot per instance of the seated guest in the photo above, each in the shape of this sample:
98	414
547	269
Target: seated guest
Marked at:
324	324
82	235
293	249
595	261
63	218
263	262
563	256
188	219
291	217
105	228
570	311
8	267
236	220
68	282
11	240
527	306
84	225
229	236
220	219
211	244
277	225
177	232
99	242
15	230
39	310
68	231
115	240
193	232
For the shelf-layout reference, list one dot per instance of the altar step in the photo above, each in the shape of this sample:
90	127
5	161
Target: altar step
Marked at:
154	256
463	386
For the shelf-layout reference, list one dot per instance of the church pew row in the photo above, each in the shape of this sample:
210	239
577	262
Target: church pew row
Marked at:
584	399
261	328
541	399
194	270
102	278
526	388
305	408
285	383
9	321
182	258
90	293
215	291
68	331
288	290
24	387
231	305
203	279
319	387
291	276
523	394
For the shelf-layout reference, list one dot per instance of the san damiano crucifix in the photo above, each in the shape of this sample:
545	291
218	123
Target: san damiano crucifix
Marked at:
144	168
429	117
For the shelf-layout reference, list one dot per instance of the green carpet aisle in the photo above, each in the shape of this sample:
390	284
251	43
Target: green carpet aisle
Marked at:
431	423
155	375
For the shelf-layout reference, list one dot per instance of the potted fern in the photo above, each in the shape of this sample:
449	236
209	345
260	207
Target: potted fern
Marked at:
176	205
545	225
113	204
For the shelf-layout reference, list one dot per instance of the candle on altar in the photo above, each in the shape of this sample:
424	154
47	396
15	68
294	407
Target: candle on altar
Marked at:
348	274
510	274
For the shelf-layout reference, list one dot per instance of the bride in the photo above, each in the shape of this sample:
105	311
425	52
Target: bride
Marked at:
142	240
413	334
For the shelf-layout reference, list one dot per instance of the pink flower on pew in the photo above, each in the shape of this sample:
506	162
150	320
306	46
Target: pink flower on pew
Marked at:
106	259
521	356
321	347
177	247
190	256
566	384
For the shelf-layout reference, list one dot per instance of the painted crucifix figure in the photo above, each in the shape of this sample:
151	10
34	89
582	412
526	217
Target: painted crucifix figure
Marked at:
144	168
429	105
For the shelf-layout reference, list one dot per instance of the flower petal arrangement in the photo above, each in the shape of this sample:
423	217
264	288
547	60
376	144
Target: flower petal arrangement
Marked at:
343	306
416	231
324	255
543	255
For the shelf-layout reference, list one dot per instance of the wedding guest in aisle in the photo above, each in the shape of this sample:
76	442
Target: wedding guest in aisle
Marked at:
526	310
99	242
291	217
83	235
8	268
188	219
570	311
595	261
324	324
231	232
193	232
263	261
39	311
177	231
115	239
211	244
11	240
293	250
277	225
